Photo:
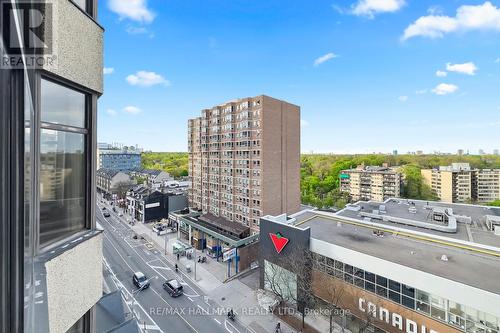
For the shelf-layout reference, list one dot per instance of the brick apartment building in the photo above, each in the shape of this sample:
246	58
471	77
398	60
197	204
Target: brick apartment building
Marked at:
244	159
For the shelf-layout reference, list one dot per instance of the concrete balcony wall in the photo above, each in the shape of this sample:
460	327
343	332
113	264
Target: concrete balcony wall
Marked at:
77	41
74	283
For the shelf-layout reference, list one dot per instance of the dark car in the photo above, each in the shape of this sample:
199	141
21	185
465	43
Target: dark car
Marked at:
140	280
173	287
106	214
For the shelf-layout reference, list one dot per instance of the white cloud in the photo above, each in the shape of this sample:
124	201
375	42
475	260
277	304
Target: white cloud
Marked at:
146	79
468	68
403	98
441	73
135	10
444	89
108	70
324	58
371	7
421	92
132	109
304	123
468	18
136	30
111	112
497	61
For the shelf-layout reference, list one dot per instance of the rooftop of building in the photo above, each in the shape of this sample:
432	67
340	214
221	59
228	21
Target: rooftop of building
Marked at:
107	173
473	251
151	172
241	100
372	168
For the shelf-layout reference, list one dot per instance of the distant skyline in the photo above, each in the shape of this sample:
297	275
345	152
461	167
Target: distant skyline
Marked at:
369	76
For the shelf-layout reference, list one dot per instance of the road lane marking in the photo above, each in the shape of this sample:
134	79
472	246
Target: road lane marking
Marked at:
218	322
151	288
202	309
232	326
122	288
161	267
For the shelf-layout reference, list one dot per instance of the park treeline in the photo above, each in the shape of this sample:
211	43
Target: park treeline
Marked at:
320	172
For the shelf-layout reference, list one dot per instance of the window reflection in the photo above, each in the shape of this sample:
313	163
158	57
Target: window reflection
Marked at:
61	105
62	179
459	316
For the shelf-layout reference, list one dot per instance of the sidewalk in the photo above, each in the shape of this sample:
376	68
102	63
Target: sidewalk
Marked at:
210	277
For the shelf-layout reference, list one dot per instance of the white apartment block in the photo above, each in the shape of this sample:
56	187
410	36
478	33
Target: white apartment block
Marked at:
371	183
460	183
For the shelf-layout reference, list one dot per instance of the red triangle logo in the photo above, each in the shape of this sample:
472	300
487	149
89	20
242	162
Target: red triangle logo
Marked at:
279	241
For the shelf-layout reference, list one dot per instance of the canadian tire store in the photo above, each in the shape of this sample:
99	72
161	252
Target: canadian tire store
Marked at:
379	294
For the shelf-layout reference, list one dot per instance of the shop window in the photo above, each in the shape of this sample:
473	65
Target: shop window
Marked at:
359	272
395	297
370	286
348	278
359	282
381	281
369	277
423	307
408	302
348	269
408	291
381	291
395	286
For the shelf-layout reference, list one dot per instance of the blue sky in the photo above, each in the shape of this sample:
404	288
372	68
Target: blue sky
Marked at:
369	75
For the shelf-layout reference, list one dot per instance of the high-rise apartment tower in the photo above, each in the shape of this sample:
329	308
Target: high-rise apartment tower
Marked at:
244	159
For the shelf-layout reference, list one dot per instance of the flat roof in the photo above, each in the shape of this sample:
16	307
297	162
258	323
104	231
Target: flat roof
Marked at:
466	266
476	231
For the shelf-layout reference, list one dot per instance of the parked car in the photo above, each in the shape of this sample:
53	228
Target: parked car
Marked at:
140	280
173	287
159	227
106	214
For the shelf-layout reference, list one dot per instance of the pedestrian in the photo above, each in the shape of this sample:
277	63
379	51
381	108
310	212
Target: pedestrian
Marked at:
178	256
278	328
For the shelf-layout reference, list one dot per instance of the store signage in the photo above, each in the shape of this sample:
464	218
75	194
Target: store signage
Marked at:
229	254
151	205
279	241
393	319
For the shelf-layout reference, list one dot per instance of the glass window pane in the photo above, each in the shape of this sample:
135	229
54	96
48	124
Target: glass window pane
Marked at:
348	278
81	3
369	277
61	105
423	307
408	291
422	296
381	281
348	269
370	286
396	286
359	272
394	296
359	282
381	291
408	302
62	184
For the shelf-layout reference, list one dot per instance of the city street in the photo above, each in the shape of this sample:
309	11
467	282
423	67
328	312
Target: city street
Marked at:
155	310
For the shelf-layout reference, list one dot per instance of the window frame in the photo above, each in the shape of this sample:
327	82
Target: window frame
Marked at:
89	131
